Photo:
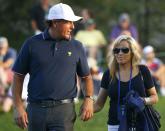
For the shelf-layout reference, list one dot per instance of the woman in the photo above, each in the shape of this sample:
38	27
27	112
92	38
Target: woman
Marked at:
123	75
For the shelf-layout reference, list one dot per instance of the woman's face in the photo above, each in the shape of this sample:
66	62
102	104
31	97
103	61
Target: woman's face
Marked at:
122	53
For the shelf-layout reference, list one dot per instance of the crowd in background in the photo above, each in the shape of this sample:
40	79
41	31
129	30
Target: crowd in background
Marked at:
95	44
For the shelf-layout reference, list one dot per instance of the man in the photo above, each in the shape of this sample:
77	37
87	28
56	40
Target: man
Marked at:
7	58
38	15
156	67
92	38
7	54
124	27
53	59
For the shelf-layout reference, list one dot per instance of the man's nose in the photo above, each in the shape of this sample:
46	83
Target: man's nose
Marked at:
72	25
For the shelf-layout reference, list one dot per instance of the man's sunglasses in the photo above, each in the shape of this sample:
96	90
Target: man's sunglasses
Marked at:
124	50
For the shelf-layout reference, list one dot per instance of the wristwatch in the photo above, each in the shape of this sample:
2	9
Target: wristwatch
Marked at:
91	97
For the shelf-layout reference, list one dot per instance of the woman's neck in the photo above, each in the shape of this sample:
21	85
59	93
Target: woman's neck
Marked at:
125	72
125	67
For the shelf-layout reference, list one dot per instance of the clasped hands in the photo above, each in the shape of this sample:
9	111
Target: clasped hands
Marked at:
86	110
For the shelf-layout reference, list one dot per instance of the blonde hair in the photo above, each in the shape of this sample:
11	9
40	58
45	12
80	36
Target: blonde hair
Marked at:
135	51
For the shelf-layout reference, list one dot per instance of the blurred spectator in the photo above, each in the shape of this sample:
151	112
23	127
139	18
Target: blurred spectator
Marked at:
160	74
8	102
155	65
80	25
92	39
150	60
38	16
96	74
7	58
86	14
125	27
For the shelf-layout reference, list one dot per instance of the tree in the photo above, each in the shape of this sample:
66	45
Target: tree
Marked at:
15	21
147	15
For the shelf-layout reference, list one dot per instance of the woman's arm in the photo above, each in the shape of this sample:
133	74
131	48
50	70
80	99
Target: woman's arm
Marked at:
102	97
153	97
149	86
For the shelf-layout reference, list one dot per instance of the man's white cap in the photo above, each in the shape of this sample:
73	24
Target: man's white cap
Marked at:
62	11
148	49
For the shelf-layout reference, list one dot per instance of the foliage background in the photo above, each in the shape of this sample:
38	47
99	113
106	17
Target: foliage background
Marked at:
147	15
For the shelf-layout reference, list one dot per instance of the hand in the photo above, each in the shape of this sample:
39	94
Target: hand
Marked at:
86	110
20	117
134	101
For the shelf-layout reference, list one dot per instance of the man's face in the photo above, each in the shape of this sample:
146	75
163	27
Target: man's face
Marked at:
63	28
150	56
124	24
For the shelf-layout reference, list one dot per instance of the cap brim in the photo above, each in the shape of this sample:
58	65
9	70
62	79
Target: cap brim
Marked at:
77	18
74	18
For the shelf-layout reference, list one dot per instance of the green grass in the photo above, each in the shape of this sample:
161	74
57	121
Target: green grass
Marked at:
97	123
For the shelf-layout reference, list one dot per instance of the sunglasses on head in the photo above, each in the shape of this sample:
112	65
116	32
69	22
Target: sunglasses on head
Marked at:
125	50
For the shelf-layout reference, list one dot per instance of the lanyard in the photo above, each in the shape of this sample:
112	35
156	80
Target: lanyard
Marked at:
129	87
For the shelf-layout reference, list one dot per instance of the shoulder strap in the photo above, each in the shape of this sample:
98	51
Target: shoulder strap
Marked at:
110	82
111	79
141	72
141	75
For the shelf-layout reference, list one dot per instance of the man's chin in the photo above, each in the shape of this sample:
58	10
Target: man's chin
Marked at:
68	37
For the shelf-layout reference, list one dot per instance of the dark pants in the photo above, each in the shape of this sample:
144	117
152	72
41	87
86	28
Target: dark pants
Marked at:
59	117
